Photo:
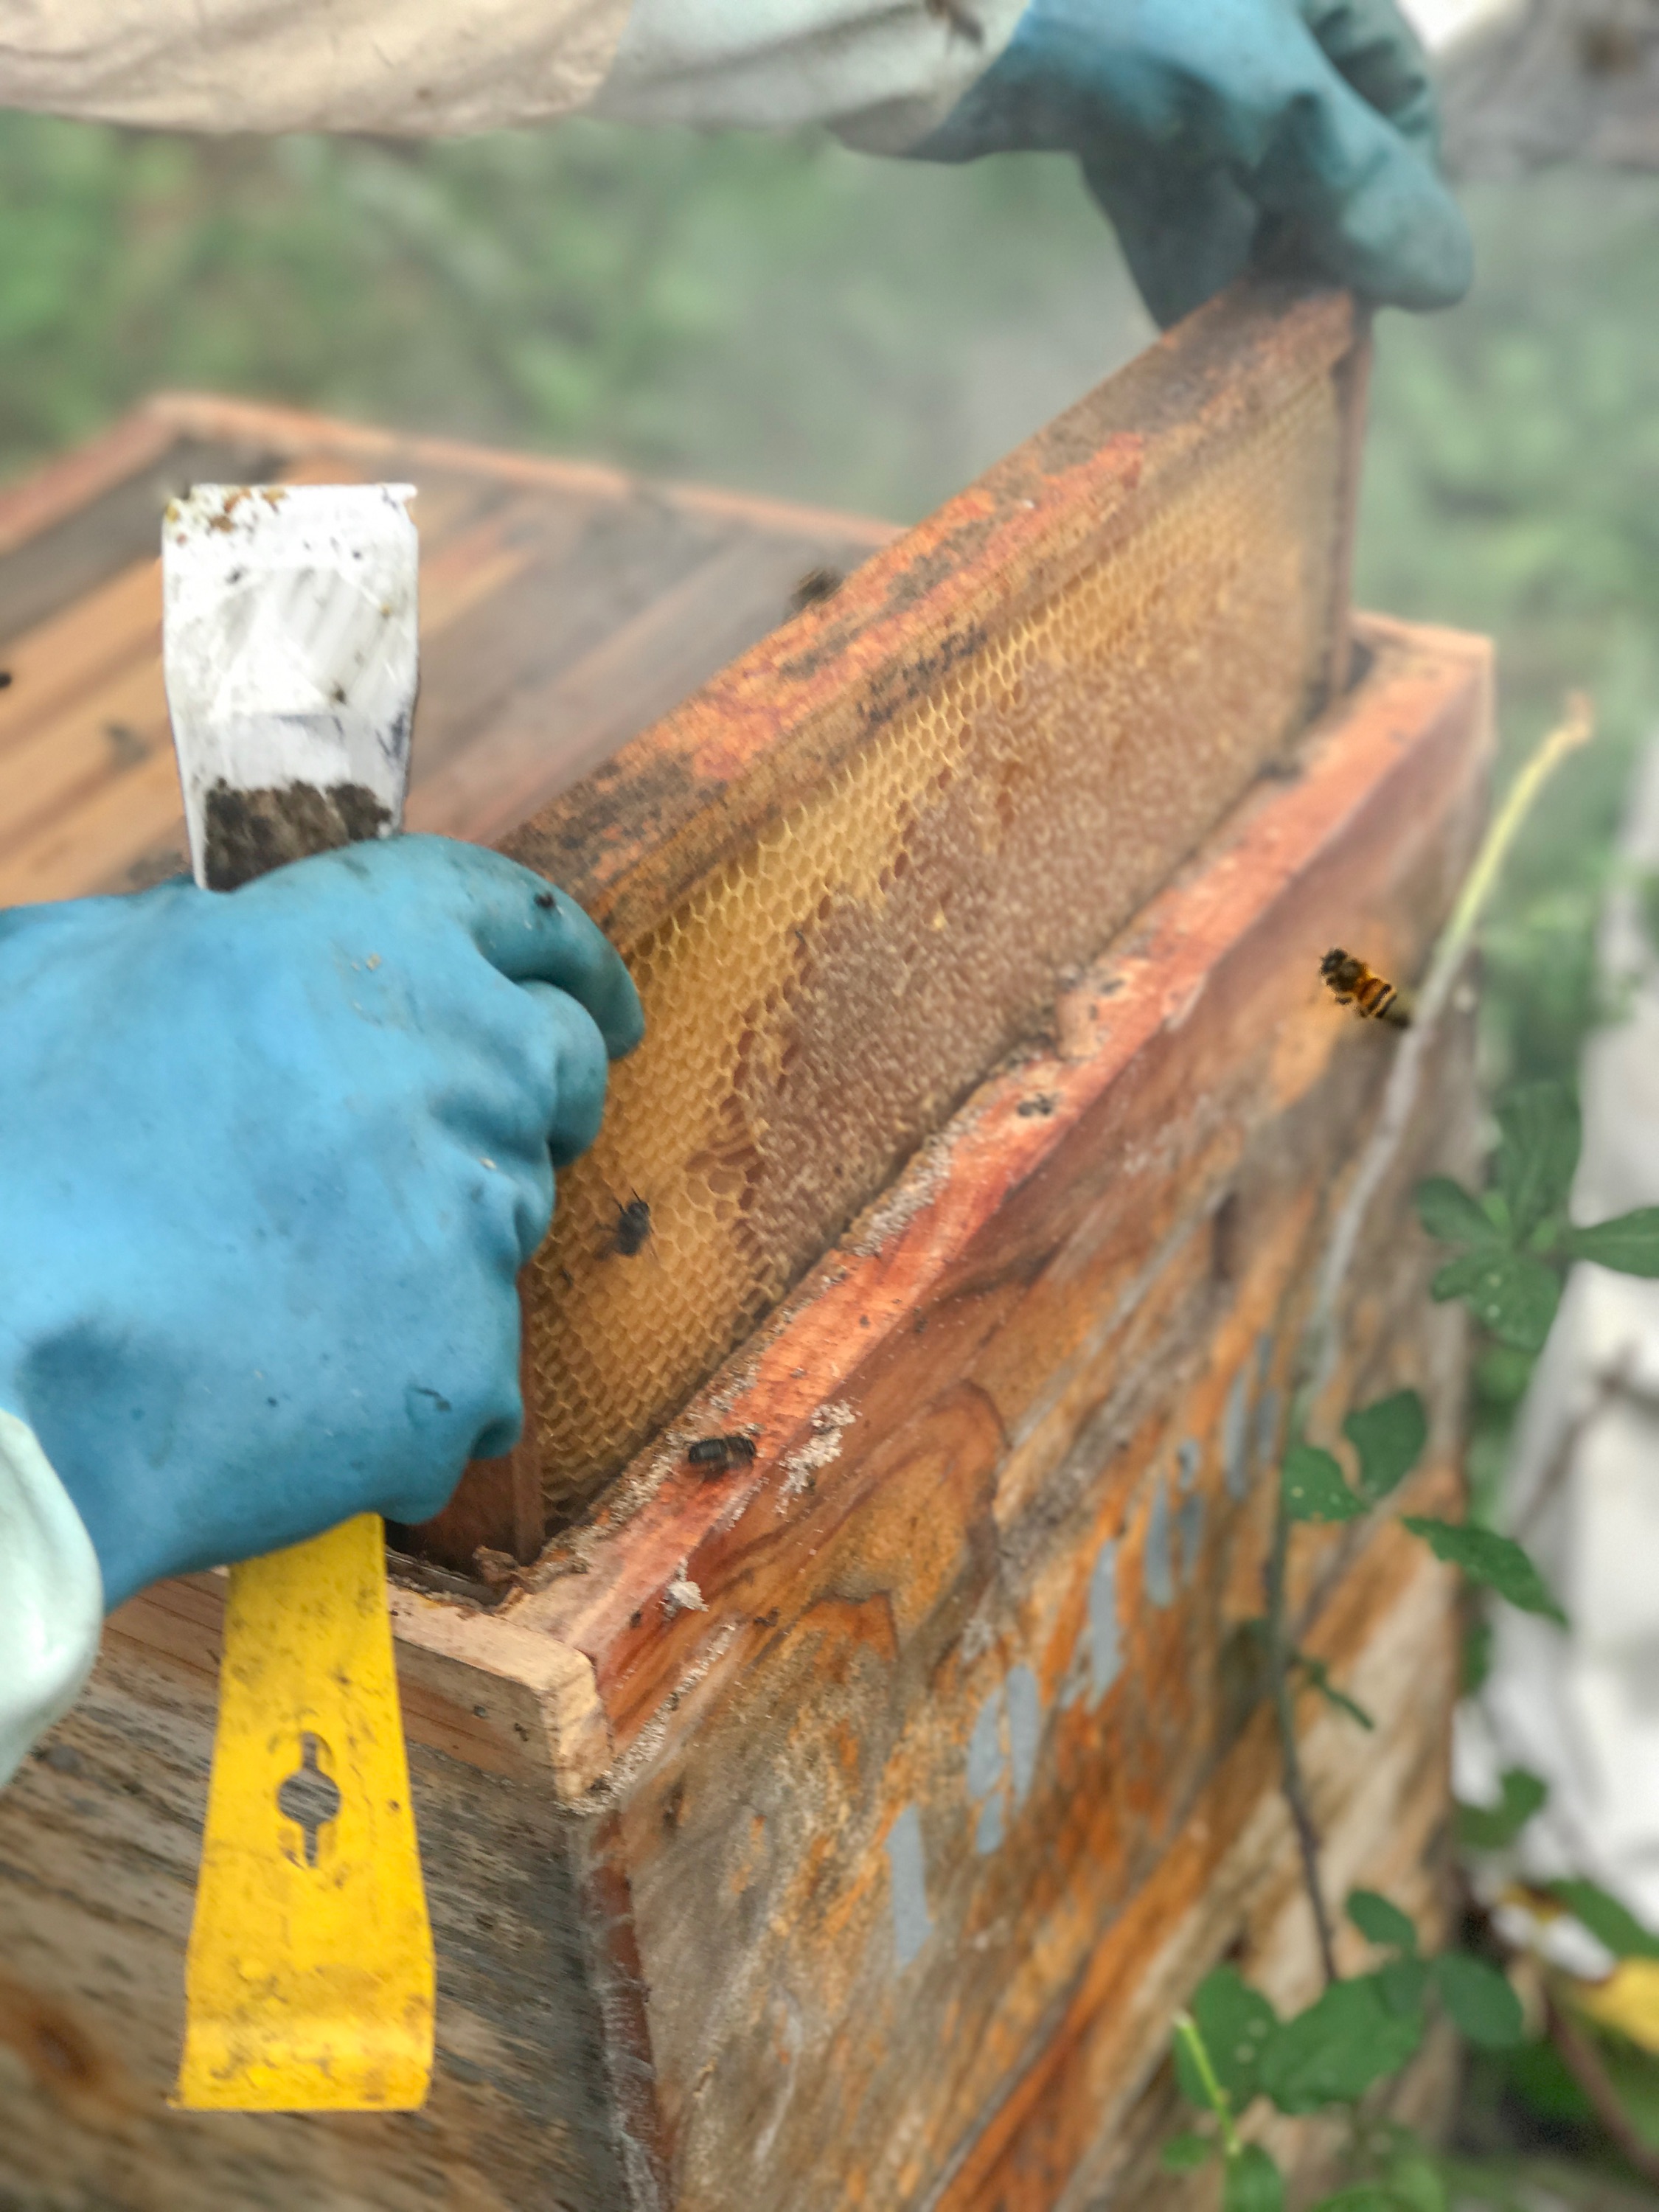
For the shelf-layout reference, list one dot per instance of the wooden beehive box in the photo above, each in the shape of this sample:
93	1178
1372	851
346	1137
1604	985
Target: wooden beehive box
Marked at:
842	1830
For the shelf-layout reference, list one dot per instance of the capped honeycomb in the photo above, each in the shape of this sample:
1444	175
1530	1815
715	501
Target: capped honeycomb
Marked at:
824	997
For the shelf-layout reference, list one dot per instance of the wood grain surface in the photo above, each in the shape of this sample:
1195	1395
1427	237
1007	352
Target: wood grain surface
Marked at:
844	1830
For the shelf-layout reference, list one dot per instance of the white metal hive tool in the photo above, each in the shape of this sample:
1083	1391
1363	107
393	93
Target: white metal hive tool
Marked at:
289	641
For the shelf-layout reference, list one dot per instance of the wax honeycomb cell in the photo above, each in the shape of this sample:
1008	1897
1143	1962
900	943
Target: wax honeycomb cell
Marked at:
819	1006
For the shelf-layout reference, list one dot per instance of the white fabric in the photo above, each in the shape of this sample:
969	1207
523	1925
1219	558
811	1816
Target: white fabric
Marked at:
52	1595
881	72
411	68
1582	1709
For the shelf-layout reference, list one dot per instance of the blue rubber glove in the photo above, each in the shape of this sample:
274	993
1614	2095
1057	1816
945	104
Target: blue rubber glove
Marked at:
270	1160
1216	133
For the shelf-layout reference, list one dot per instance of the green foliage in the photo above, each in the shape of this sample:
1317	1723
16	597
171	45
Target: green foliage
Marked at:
1316	1674
1235	2023
1629	1244
1607	1920
1514	451
1413	2182
1490	1827
1314	1488
1476	1654
1367	2197
1182	2153
1381	1923
1512	1235
760	311
1479	2001
1389	1437
1491	1561
1502	1374
1403	1984
1252	2183
1333	2052
1511	1293
1452	1216
1537	1152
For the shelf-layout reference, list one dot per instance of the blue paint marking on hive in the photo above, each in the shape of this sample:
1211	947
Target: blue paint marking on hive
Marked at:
1156	1568
1105	1644
911	1925
985	1764
1025	1728
1190	1515
987	1835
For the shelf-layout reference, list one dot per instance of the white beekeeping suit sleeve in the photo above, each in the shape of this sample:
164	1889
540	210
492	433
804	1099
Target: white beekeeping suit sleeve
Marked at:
51	1597
881	71
1581	1709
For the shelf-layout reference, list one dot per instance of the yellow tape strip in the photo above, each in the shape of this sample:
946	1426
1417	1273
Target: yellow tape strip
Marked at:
309	1986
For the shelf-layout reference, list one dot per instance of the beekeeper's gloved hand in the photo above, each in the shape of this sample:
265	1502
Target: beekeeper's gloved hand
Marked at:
1216	132
270	1161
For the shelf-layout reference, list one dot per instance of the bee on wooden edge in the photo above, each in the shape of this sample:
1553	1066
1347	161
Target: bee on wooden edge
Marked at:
814	587
1372	997
715	1454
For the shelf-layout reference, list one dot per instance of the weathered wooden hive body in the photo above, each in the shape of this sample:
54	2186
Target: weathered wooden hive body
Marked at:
840	1829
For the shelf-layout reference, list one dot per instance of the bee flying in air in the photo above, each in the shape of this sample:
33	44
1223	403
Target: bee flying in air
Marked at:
1351	983
632	1228
715	1454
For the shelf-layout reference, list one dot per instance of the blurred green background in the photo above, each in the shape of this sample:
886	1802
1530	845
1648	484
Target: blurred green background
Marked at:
784	315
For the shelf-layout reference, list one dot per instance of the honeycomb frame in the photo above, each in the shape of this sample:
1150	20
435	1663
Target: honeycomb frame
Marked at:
847	874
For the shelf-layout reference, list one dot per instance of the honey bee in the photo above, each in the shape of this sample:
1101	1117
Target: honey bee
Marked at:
1351	983
716	1454
632	1227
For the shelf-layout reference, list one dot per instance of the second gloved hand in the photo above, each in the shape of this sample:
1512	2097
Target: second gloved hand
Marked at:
270	1163
1214	133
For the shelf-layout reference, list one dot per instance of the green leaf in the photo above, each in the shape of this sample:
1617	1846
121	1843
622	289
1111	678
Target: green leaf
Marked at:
1494	1562
1482	2005
1489	1827
1608	1921
1502	1374
1184	2152
1314	1488
1389	1437
1536	1153
1415	2182
1379	1922
1511	1293
1366	2197
1629	1242
1319	1679
1476	1657
1453	1215
1252	2183
1332	2053
1402	1985
1236	2023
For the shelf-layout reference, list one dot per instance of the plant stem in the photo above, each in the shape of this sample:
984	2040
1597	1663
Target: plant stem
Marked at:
1296	1795
1577	728
1584	2061
1187	2029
